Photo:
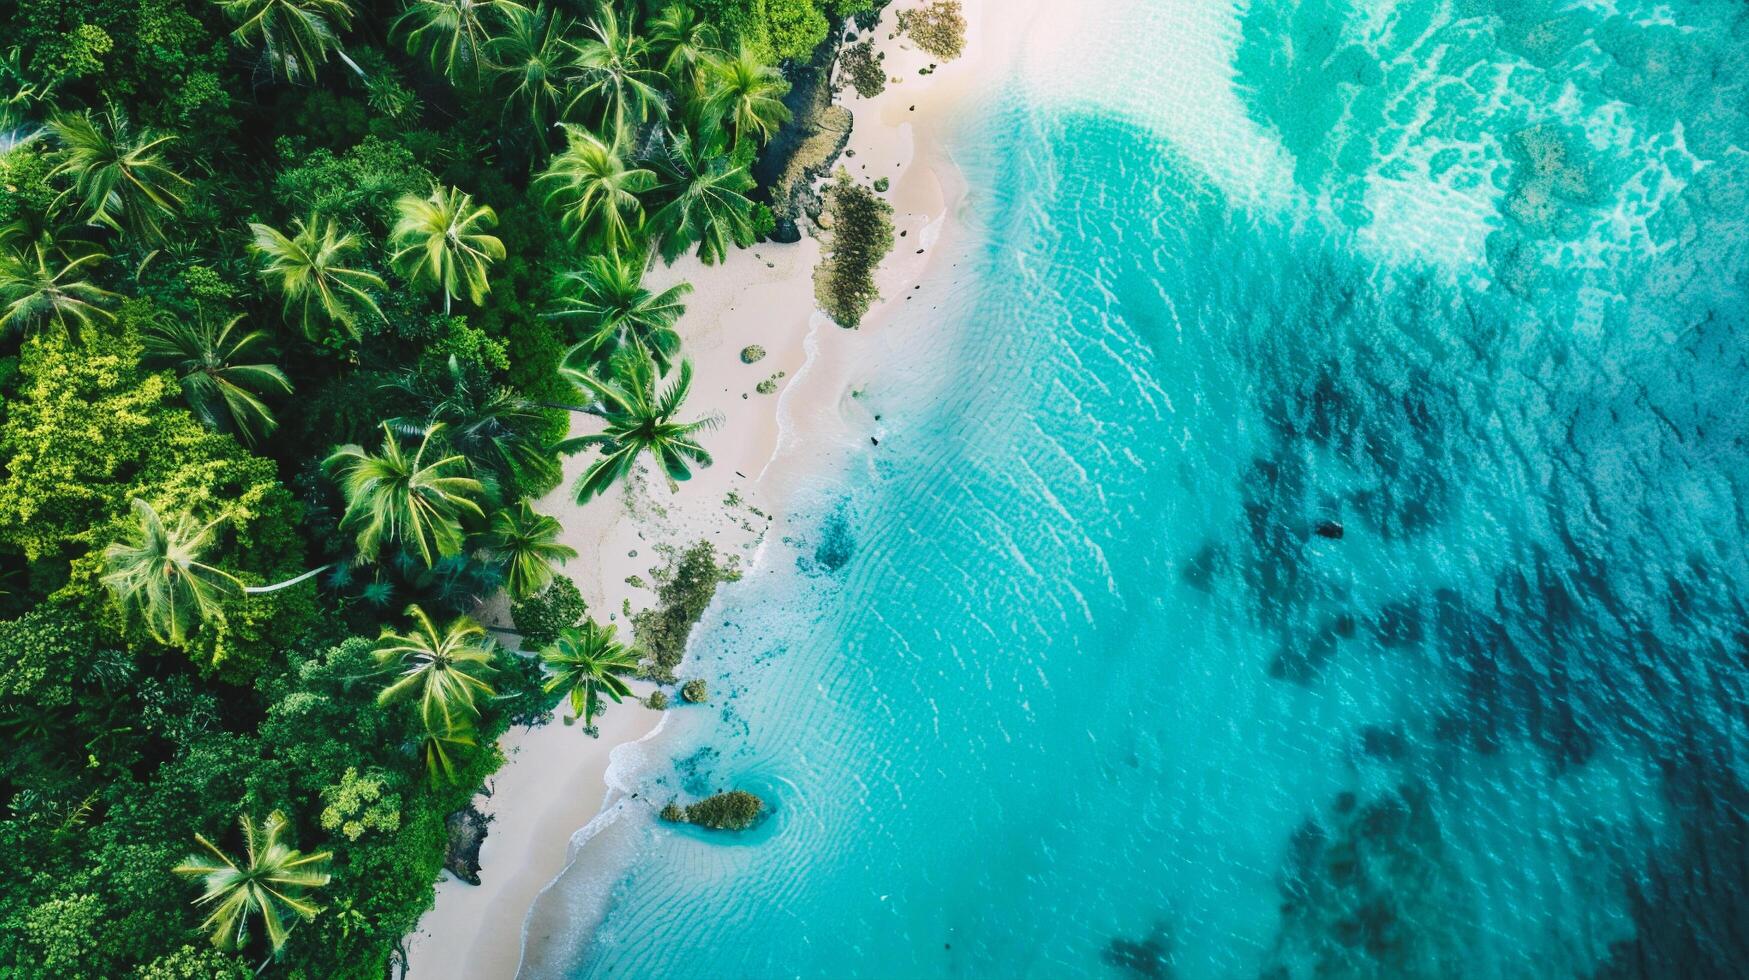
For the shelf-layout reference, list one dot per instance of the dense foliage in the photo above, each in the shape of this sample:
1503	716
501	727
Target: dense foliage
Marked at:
298	300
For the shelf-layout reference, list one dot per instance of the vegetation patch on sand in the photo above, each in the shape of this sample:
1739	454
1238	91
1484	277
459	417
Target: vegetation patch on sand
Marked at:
858	229
938	28
735	810
861	66
684	587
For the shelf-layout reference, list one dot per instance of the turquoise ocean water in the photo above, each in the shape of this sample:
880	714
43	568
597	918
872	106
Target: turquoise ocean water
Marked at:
1070	677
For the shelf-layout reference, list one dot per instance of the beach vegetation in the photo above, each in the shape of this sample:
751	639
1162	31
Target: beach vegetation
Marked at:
861	67
736	809
858	234
752	354
586	663
938	28
685	585
657	701
541	617
695	691
637	408
526	543
268	882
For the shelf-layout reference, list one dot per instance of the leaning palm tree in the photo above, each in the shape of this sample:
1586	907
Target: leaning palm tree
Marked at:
532	62
613	75
224	390
587	663
500	432
594	190
312	272
453	34
442	240
40	284
156	573
441	667
119	176
617	311
746	93
681	39
640	419
396	498
709	207
268	883
526	542
295	35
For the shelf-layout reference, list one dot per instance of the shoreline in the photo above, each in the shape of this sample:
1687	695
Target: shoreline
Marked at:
760	295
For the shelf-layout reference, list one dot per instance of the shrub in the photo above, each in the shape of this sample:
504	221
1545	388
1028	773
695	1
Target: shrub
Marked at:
657	701
863	69
939	28
752	353
540	617
673	813
735	810
695	691
684	587
859	234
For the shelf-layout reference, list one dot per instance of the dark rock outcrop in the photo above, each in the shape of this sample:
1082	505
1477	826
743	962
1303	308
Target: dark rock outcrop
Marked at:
467	831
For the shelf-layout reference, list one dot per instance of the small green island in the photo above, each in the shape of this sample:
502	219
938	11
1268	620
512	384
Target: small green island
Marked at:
303	306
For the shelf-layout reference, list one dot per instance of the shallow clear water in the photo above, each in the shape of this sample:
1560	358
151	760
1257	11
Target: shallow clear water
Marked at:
1062	678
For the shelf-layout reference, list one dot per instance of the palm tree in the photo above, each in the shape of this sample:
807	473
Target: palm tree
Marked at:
640	419
594	190
746	92
587	662
269	882
41	284
526	543
441	667
310	271
618	311
435	747
224	392
119	176
295	35
397	498
531	58
442	240
500	432
710	206
157	572
681	39
453	34
613	76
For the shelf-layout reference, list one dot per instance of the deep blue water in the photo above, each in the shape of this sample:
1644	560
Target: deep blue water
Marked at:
1072	675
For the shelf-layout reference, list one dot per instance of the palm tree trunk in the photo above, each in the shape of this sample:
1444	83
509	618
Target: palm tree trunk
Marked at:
288	583
351	64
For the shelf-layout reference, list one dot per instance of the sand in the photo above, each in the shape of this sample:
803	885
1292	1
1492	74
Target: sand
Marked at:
555	778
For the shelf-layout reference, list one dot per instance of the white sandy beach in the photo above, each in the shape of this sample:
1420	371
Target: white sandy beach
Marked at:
555	777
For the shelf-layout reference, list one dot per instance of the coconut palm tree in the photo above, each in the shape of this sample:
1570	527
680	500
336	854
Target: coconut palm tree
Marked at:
532	61
594	190
747	93
613	75
587	663
157	573
640	419
453	34
617	311
436	746
396	498
442	240
312	272
224	391
500	432
441	667
269	883
295	35
526	543
681	39
41	284
119	176
709	205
